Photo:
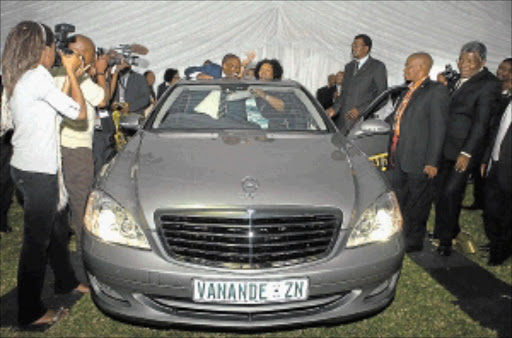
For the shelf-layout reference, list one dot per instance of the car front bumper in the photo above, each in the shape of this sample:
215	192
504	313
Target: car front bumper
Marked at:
149	288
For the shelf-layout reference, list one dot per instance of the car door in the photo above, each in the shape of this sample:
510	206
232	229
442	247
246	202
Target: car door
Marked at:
372	132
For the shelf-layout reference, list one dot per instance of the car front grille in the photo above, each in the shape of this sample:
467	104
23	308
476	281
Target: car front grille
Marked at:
249	239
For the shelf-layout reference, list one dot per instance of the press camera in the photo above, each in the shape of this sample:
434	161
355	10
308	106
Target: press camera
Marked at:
124	53
62	41
451	75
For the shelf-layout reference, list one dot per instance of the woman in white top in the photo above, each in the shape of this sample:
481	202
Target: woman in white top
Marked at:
35	104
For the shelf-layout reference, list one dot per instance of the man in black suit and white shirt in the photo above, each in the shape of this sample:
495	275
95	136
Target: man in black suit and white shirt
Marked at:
471	107
417	144
364	79
498	188
496	169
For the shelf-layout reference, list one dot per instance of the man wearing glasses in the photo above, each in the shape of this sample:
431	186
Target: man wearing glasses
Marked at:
364	79
472	103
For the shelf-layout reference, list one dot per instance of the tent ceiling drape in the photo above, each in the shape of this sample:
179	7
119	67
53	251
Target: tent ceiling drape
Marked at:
310	38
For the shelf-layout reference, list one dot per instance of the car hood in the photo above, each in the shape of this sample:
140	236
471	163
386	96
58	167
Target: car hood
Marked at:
178	170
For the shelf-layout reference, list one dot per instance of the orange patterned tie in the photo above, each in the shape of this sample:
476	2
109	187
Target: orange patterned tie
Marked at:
398	117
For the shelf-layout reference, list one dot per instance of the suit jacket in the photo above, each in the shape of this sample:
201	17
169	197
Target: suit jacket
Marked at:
471	108
361	89
504	165
161	89
423	127
325	95
137	92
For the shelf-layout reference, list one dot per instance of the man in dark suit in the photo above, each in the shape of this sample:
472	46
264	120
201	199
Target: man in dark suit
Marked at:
498	188
504	74
364	79
470	110
131	88
325	94
171	76
416	147
339	81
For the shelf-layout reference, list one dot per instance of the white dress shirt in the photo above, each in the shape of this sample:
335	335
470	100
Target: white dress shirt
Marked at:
35	104
506	118
362	61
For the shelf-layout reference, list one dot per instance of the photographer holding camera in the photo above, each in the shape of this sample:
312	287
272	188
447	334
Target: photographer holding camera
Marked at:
36	105
77	137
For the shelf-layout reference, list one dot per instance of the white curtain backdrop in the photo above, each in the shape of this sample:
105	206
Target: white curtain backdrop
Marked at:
310	38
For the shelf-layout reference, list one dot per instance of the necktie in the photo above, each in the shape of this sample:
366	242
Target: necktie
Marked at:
356	68
398	117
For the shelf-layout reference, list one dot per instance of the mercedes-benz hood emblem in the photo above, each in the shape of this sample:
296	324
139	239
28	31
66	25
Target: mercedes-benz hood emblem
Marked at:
250	186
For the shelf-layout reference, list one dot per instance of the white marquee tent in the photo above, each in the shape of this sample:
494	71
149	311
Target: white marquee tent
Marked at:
310	38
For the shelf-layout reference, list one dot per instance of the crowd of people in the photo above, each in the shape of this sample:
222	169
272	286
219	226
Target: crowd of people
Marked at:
57	132
444	133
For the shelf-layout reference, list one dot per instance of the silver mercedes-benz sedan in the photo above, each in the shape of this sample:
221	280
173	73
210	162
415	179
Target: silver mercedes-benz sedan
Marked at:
237	204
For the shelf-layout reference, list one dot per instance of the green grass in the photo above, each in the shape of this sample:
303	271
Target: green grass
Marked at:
422	307
471	222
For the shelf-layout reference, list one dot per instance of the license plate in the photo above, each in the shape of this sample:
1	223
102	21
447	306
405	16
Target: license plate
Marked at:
250	292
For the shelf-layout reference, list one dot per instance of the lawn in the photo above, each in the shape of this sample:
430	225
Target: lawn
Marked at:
422	307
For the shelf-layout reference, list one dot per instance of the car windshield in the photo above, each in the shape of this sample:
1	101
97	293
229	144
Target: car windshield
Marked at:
214	107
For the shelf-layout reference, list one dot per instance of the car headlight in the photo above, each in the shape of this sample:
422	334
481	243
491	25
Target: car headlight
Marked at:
107	220
378	223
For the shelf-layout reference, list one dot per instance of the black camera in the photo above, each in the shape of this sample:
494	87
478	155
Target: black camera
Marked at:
100	51
62	41
450	75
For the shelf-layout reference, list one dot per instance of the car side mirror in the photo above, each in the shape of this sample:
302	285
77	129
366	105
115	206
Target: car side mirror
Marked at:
375	127
130	121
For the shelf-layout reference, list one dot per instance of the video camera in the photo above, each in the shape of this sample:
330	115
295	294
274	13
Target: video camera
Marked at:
124	53
450	75
62	41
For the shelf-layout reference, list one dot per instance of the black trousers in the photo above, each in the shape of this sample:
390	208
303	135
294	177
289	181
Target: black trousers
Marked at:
6	183
450	188
497	214
478	187
43	242
415	193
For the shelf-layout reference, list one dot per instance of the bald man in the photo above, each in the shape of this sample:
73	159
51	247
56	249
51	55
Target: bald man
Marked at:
76	138
419	129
